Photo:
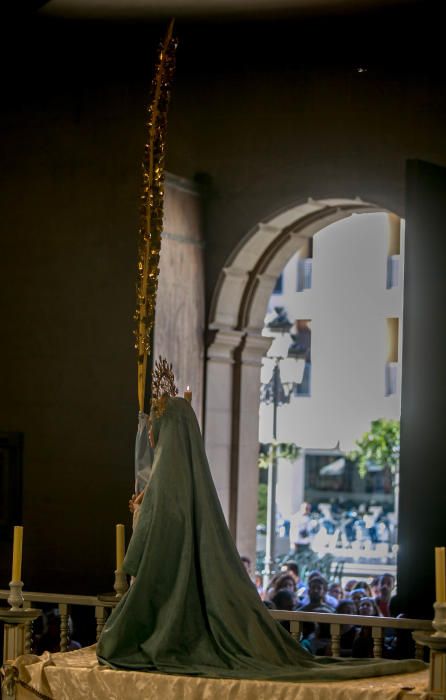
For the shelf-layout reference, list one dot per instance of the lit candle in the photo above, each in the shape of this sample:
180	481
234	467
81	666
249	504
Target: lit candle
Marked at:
120	546
17	554
188	394
440	574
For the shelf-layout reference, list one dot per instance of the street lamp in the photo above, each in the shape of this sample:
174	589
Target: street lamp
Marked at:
275	393
278	393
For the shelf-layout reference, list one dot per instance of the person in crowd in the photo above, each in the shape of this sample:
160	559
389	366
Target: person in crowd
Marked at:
335	591
316	638
364	586
356	596
305	599
375	586
258	581
318	635
301	529
291	567
50	639
284	599
348	632
398	643
368	606
350	585
386	586
363	644
317	590
284	582
271	587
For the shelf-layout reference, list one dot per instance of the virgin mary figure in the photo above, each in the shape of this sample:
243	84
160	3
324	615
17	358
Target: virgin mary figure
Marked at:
192	608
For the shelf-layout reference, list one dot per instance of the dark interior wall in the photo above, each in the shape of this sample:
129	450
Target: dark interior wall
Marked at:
310	133
423	475
72	141
272	111
306	107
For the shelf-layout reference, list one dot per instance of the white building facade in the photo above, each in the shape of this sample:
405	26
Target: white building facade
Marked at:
344	292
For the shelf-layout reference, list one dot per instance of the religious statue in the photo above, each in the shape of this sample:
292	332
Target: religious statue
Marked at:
192	608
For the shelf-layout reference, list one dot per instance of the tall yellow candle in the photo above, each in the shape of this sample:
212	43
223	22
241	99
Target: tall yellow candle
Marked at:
17	553
188	394
440	574
120	546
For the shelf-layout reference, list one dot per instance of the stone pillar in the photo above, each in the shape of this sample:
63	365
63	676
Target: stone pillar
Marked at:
245	470
219	410
180	315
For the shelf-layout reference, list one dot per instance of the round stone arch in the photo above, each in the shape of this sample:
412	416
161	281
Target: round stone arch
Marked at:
236	349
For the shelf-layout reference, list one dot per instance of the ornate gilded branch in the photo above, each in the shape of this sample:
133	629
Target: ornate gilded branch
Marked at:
152	200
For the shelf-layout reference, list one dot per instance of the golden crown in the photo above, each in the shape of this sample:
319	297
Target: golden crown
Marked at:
163	385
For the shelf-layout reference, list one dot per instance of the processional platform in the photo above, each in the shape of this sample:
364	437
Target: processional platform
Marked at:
77	675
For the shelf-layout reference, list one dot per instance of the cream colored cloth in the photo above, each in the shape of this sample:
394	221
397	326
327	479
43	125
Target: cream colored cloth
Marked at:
31	671
77	676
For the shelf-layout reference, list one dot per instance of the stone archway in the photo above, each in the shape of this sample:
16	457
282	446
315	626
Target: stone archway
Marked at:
236	349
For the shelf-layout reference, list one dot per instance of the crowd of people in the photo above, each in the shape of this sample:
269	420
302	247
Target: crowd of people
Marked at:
368	530
287	591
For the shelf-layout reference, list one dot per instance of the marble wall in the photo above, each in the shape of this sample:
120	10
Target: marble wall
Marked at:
179	321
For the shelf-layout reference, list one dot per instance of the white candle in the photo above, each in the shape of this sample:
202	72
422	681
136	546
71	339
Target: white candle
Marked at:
120	546
188	394
17	554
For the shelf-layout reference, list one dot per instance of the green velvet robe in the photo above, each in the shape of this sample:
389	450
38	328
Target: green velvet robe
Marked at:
192	608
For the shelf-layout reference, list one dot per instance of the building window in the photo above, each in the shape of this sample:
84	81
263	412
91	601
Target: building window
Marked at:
300	349
304	274
391	378
393	268
393	250
304	388
391	369
278	287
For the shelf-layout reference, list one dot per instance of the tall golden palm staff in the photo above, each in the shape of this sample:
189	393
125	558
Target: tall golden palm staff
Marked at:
152	200
149	246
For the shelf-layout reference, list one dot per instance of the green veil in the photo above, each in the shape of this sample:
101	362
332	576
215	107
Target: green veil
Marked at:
192	608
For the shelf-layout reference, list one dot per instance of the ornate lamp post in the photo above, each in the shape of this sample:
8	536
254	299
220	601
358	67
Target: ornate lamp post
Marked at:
277	393
272	393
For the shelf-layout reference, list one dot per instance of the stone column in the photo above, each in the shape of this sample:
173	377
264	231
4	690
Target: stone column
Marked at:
219	407
245	471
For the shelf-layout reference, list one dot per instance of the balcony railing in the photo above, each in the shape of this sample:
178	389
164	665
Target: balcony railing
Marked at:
63	602
335	621
296	619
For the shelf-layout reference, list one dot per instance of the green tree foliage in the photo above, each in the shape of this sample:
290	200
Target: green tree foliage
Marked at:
284	450
379	446
261	504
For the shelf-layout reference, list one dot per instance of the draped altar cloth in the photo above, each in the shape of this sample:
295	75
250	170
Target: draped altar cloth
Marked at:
77	675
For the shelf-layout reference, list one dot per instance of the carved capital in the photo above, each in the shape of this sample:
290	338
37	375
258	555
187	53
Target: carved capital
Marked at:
223	345
255	349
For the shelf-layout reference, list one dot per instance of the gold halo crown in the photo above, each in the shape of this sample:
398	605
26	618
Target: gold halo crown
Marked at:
163	385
